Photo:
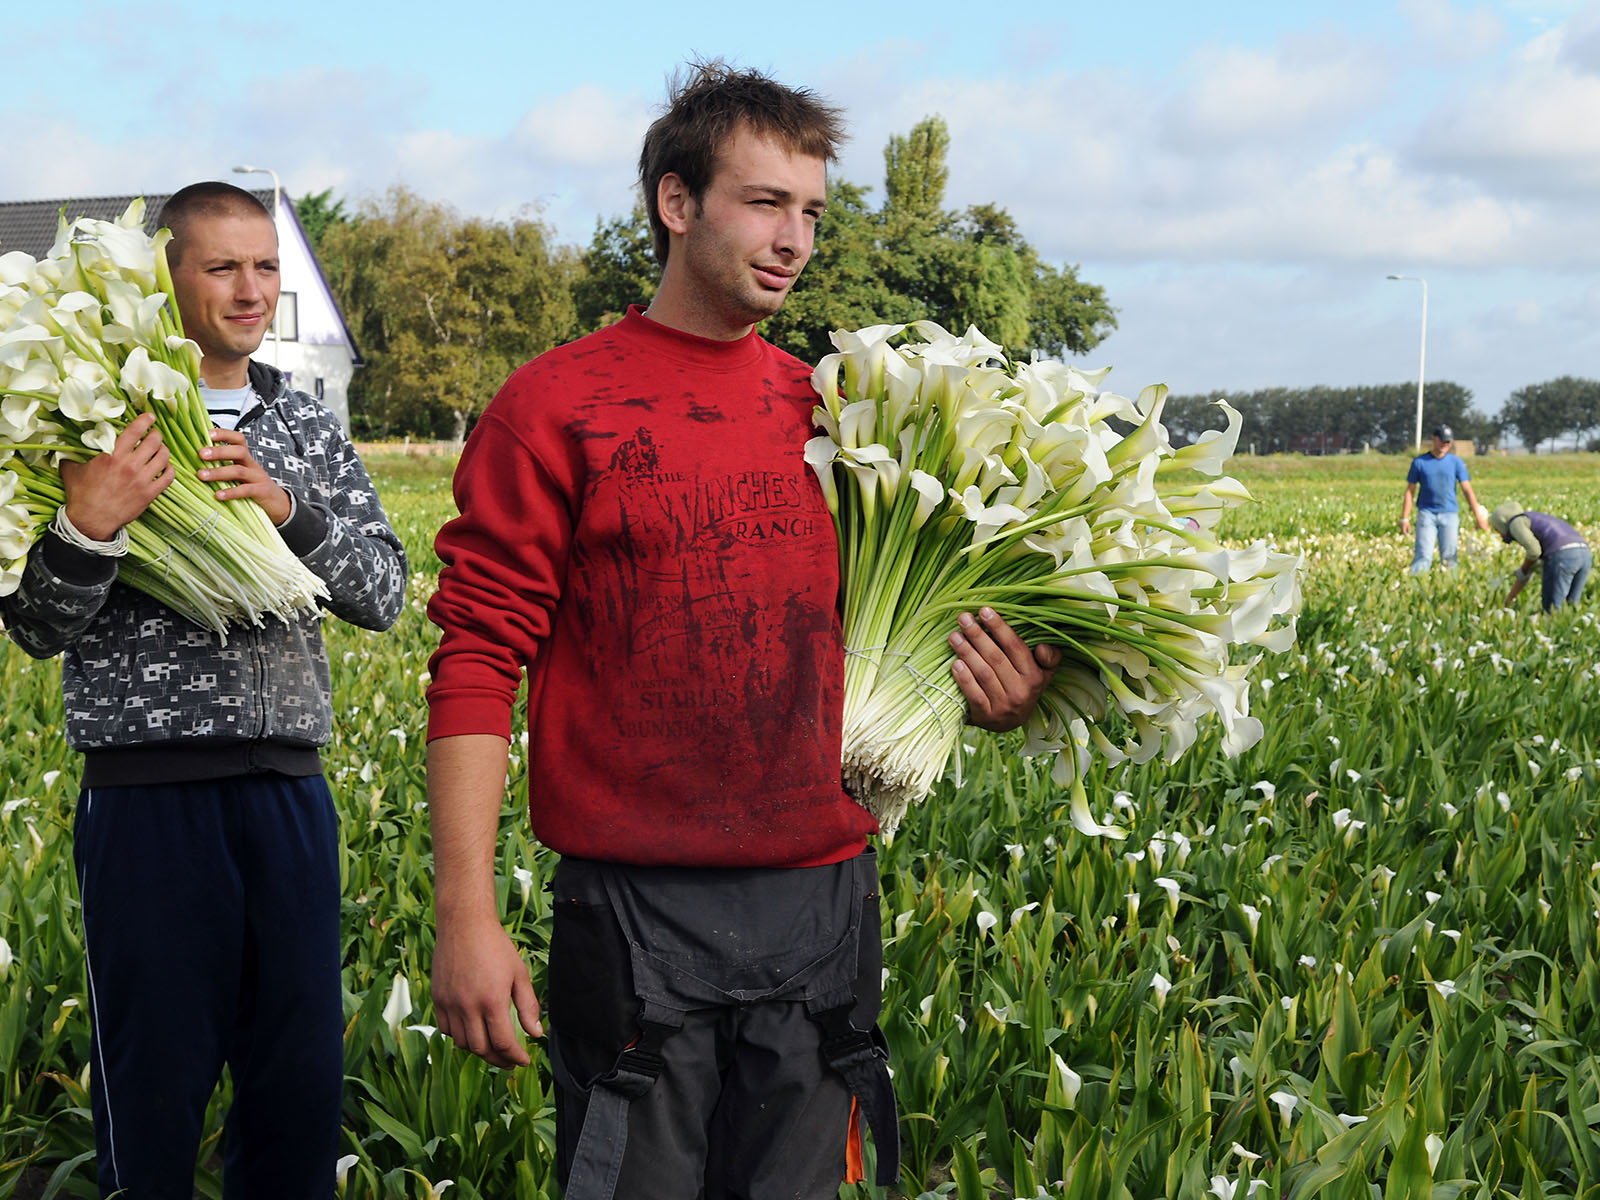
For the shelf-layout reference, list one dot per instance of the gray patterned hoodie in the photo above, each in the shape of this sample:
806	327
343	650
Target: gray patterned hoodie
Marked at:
153	698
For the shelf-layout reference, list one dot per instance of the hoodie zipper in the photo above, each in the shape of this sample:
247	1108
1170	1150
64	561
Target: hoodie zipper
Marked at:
257	658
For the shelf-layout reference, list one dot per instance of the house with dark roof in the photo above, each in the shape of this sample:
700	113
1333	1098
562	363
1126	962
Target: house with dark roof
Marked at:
309	340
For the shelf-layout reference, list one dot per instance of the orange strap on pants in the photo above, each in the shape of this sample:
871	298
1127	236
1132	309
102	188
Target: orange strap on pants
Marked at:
855	1167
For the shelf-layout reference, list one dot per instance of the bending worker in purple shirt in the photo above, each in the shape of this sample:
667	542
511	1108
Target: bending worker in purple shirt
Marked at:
1560	549
1436	474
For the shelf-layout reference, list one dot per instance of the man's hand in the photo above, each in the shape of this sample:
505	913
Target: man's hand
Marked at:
113	488
240	467
478	975
1001	677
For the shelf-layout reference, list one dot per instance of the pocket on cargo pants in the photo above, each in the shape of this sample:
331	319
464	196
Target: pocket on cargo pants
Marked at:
592	1007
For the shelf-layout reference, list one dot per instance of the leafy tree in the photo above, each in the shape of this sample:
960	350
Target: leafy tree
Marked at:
1065	315
444	308
317	213
1070	315
619	269
915	174
1451	404
961	269
1546	411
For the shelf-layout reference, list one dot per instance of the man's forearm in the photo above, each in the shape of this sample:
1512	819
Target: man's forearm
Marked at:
478	974
466	784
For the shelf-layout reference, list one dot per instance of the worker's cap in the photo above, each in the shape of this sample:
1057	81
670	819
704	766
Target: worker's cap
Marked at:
1444	433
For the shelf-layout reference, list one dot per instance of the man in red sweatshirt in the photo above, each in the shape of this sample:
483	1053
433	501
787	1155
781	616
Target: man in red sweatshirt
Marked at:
640	534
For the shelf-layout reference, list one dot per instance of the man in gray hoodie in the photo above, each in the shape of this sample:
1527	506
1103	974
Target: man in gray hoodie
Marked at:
205	840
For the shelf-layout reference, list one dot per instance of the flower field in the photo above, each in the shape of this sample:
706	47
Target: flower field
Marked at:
1362	958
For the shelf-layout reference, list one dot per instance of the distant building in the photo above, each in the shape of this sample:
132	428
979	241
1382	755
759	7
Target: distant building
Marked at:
1317	443
309	341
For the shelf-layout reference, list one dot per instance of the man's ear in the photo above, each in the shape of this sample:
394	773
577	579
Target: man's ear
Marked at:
674	203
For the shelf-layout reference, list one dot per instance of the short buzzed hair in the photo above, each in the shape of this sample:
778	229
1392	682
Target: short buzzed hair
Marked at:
210	199
705	106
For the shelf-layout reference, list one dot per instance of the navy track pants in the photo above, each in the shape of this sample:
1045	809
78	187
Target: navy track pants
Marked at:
211	929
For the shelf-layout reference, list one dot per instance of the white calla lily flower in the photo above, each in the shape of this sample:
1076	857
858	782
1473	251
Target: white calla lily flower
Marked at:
81	402
1071	1081
19	417
101	436
23	342
145	377
398	1006
1210	450
1160	985
18	270
930	494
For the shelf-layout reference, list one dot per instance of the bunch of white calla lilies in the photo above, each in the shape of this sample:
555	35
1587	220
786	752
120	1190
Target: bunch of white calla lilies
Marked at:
88	342
959	479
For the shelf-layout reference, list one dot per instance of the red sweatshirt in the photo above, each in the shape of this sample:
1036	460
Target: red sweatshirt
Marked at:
639	531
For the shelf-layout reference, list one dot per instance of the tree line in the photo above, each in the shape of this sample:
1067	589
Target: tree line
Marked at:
1561	414
444	307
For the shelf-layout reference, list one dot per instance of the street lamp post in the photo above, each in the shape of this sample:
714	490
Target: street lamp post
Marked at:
1422	358
277	192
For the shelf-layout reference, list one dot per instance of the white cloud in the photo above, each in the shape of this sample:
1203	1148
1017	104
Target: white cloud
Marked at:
1245	96
1291	153
1527	313
1091	168
1531	129
584	127
1315	149
1583	311
1581	46
1443	32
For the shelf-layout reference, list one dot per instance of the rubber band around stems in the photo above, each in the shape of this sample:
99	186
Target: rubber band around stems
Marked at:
863	651
924	684
165	559
208	527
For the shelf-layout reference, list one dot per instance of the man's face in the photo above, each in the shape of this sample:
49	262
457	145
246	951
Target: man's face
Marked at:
226	283
748	239
1440	447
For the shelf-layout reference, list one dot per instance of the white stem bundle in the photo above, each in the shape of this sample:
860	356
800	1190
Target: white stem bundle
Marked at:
88	341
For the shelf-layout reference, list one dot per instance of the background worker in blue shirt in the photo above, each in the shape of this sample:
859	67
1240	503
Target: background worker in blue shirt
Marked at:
1431	482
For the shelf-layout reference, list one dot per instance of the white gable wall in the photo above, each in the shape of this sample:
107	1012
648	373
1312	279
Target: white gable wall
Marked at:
320	349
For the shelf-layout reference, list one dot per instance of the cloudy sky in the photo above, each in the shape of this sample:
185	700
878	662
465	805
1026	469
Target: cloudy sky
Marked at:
1239	177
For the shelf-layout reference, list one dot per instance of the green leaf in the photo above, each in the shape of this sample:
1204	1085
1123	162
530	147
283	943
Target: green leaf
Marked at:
410	1142
964	1164
1409	1175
